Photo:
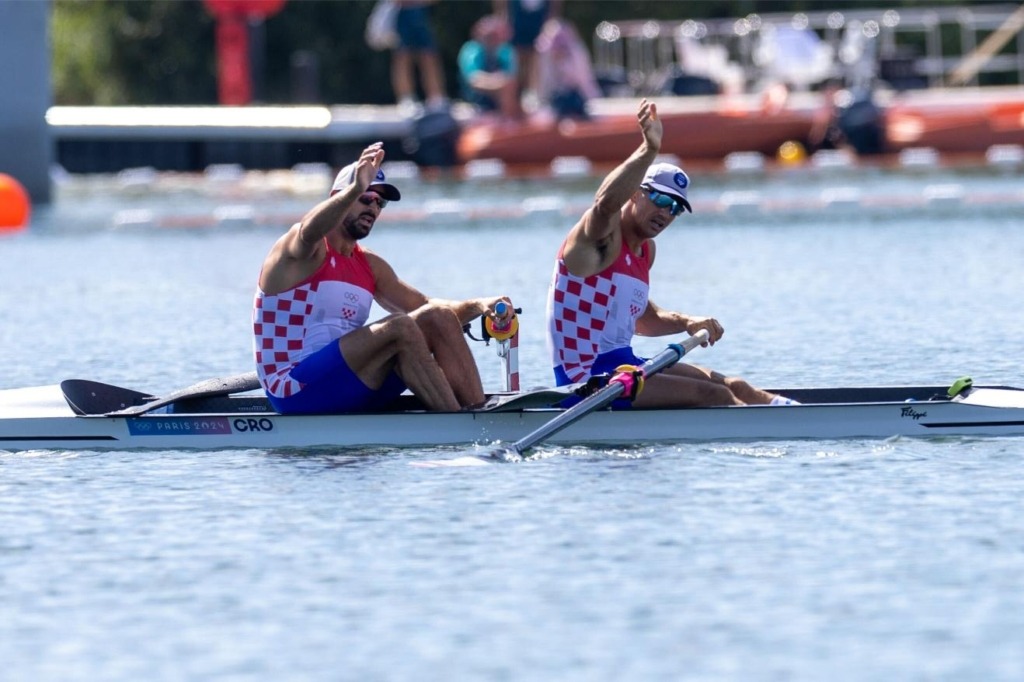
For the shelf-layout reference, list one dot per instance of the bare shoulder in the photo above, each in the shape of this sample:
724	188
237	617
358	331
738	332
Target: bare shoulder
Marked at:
374	259
289	261
382	270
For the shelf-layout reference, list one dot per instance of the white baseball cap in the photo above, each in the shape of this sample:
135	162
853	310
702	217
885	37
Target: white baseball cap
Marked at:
379	185
668	179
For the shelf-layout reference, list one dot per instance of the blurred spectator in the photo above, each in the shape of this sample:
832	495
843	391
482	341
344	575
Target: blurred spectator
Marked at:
565	74
416	47
826	132
526	19
487	67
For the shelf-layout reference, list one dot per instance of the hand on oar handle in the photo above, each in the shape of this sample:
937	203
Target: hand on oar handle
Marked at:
502	323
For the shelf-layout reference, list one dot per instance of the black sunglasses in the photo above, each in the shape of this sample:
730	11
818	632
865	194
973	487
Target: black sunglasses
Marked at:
368	199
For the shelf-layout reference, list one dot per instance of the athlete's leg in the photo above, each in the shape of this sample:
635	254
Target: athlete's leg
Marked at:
446	341
739	387
694	385
669	390
396	342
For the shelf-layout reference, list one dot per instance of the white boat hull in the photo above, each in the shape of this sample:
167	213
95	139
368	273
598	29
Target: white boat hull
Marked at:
40	418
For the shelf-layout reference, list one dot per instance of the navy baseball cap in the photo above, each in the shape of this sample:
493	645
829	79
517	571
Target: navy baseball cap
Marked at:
380	185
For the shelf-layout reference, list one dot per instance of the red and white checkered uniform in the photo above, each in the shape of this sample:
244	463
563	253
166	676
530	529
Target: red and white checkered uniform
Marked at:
288	326
589	316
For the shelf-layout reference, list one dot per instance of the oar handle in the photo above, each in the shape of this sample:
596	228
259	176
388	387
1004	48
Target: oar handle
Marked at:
506	328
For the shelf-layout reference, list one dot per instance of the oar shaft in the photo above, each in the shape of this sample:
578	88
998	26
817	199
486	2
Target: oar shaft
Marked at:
608	394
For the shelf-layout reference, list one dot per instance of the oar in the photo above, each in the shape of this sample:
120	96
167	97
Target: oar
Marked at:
601	398
204	389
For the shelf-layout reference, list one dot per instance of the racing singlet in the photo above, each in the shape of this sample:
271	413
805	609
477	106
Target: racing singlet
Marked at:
590	316
289	326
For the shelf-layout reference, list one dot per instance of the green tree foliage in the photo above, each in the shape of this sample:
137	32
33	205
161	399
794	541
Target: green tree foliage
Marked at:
113	52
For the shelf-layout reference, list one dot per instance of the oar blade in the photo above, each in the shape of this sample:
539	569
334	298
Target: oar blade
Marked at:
87	397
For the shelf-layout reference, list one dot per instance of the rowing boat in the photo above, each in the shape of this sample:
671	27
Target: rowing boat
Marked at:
219	414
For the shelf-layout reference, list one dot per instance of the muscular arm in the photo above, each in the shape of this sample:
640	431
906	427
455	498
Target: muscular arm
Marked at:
472	308
396	295
594	241
656	321
298	252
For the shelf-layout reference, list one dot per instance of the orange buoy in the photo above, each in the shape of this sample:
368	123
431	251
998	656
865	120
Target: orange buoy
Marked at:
15	206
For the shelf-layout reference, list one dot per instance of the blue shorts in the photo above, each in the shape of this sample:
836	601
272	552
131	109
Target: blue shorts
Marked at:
413	27
606	363
331	387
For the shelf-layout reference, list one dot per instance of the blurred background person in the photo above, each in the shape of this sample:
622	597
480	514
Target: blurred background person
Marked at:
525	20
416	49
487	68
565	74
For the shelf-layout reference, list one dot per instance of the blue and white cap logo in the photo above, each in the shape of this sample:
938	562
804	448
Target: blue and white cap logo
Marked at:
668	179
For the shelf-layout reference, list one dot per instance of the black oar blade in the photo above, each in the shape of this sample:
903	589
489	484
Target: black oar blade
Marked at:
93	397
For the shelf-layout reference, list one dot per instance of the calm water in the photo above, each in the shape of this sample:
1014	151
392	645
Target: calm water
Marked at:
854	560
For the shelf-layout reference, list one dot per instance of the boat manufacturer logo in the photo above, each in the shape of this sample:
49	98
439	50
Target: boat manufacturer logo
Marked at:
912	413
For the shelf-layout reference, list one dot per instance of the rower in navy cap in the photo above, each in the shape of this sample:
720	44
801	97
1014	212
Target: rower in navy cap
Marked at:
315	349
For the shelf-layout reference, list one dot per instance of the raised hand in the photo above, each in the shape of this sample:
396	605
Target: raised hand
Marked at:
368	165
650	124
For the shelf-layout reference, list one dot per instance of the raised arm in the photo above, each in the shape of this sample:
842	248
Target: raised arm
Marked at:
329	213
295	254
593	242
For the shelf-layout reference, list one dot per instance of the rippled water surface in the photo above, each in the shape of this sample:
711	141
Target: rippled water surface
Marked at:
808	560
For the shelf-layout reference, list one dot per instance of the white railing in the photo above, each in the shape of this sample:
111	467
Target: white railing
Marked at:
905	48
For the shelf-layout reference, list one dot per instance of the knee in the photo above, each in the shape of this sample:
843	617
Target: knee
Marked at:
403	328
434	320
719	394
738	386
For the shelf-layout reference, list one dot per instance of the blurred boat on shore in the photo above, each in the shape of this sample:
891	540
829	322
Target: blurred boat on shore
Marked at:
875	81
706	128
947	121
